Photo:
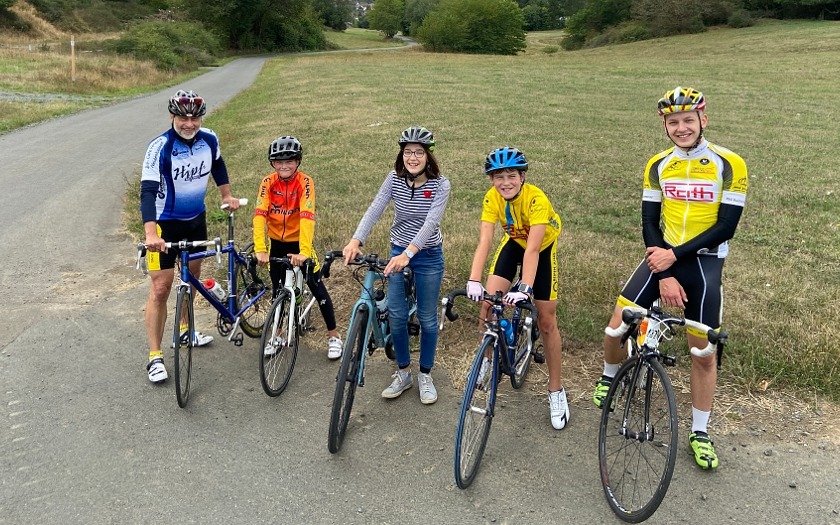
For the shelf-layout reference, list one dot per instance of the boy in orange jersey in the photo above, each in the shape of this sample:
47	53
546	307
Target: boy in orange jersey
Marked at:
286	209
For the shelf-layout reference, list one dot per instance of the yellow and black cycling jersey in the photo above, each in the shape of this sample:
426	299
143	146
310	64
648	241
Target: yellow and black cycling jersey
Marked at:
691	187
530	208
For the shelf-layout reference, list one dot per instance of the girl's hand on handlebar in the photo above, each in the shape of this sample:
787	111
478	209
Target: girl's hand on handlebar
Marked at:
396	264
262	258
351	251
296	258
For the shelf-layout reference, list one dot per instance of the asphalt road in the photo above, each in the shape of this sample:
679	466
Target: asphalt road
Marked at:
85	439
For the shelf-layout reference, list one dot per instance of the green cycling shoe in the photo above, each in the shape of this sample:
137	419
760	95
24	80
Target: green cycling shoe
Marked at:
704	450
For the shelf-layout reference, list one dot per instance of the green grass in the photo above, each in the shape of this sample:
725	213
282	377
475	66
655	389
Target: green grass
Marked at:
587	122
356	38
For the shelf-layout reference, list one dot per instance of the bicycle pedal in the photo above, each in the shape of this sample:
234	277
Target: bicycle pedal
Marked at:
237	340
539	356
414	329
669	360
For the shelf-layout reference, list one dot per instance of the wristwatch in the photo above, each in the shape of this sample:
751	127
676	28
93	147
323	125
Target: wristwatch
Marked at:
408	253
524	288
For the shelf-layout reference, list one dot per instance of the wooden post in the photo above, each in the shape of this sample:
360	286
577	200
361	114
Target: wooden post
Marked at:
72	59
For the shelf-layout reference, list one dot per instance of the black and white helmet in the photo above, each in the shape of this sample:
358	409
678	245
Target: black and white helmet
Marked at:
187	104
418	135
285	148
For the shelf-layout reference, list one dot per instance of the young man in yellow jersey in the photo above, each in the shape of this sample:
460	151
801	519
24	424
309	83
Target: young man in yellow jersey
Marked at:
693	197
531	229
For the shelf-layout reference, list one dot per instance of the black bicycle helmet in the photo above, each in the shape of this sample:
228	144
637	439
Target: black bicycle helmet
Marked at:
187	104
418	135
285	148
504	158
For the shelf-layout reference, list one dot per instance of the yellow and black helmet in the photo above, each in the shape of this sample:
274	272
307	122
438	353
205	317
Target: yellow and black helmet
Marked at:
680	100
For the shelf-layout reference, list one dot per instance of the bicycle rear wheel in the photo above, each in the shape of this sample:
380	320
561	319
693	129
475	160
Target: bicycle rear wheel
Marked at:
475	418
637	441
347	379
251	280
521	356
183	344
277	355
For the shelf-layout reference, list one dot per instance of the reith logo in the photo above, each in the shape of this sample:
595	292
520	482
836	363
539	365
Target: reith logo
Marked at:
690	191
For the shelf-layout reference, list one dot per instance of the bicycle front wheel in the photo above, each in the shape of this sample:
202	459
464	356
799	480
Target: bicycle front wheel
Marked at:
637	441
475	418
183	340
521	356
252	279
347	379
277	354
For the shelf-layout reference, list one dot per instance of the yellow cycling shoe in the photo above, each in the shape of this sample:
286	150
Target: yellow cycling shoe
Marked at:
704	450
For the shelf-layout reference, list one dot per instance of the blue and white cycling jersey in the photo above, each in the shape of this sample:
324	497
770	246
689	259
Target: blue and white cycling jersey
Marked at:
173	167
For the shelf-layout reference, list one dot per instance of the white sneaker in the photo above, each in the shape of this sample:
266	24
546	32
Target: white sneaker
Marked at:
335	348
402	382
199	339
157	372
481	383
273	346
558	408
428	394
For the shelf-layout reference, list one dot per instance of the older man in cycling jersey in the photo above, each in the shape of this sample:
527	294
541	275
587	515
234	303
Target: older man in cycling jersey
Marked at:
173	184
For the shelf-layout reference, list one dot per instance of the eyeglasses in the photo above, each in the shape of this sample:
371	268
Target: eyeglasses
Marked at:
420	153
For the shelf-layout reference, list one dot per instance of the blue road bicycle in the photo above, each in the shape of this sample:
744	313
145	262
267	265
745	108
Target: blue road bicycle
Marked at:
242	311
502	351
369	329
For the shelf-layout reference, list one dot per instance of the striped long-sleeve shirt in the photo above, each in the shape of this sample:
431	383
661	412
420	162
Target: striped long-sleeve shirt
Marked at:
417	211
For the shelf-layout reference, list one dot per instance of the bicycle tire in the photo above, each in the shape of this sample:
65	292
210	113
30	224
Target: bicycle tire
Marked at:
521	361
183	343
276	369
347	379
250	282
475	419
636	471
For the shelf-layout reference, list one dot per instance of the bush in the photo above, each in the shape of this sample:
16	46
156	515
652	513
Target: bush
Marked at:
550	49
175	46
474	26
740	18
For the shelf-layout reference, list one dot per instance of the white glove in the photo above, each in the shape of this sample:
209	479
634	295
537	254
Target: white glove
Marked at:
475	291
515	297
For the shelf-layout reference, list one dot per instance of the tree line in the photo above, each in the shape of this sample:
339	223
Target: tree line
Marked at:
183	34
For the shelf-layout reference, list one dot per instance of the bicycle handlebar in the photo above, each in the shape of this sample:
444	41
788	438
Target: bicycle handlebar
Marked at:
496	299
242	202
631	315
180	245
371	260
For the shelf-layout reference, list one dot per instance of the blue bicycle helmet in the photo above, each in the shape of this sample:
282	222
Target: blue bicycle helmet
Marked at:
504	158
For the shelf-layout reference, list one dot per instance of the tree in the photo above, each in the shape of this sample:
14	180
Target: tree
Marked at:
387	16
335	13
474	26
416	11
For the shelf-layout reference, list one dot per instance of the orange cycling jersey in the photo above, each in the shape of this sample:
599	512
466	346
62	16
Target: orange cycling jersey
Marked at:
287	208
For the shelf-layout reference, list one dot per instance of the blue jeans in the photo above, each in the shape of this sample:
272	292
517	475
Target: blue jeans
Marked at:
427	265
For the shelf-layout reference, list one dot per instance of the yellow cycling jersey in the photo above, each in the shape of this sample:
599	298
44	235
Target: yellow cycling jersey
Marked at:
530	208
691	186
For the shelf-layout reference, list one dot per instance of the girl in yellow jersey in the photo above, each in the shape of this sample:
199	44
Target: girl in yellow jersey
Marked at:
531	229
693	197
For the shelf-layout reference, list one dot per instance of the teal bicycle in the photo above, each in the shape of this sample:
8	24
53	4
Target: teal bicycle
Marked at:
369	329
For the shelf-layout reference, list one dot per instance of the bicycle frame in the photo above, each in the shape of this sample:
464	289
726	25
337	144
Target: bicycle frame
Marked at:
377	329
